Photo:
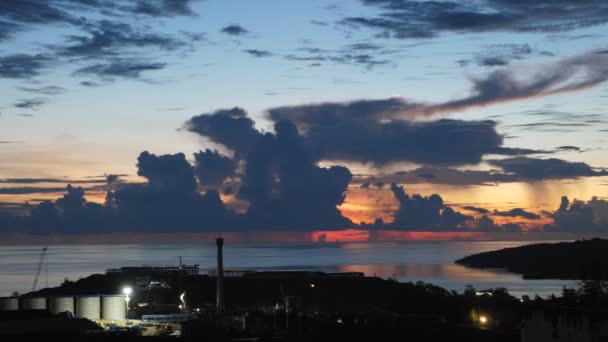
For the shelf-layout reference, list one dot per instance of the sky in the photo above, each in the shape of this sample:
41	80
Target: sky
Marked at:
318	120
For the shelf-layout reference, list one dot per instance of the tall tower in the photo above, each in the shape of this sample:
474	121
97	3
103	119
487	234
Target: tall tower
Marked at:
220	274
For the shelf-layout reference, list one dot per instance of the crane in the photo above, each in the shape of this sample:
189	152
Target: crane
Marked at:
40	263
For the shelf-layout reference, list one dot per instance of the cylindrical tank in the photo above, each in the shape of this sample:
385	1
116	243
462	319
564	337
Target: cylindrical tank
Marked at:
61	304
88	307
33	303
113	308
9	304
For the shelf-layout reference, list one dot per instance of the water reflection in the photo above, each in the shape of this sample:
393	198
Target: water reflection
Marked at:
406	261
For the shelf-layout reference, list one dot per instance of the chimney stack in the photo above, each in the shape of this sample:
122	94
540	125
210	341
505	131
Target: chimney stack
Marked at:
220	274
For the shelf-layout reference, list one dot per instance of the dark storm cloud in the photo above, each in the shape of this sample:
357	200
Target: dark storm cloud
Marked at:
169	201
580	216
234	30
259	53
281	178
538	169
486	224
332	112
442	142
124	68
517	212
30	103
229	127
23	65
48	90
404	19
111	179
418	213
212	168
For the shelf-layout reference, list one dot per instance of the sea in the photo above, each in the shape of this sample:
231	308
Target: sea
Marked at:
410	261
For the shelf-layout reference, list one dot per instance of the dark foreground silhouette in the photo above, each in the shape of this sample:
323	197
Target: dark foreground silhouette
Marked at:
578	260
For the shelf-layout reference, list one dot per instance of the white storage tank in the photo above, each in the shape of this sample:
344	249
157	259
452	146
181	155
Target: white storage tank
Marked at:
113	308
9	303
33	303
61	304
88	307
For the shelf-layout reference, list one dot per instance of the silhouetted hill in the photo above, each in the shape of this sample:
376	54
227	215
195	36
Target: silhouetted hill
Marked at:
585	259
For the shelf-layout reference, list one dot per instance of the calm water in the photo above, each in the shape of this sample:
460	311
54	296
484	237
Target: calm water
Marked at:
407	261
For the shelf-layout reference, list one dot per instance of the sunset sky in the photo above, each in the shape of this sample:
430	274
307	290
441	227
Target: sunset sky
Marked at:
497	107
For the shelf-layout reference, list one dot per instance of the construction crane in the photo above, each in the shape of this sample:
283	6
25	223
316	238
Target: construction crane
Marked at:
41	262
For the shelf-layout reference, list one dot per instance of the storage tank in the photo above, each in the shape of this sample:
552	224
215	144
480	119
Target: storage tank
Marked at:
61	304
9	304
113	308
33	303
88	307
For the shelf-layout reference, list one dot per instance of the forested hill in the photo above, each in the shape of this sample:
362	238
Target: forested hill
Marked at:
584	259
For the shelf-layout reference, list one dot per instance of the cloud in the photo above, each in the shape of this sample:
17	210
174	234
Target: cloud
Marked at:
539	169
111	39
524	82
229	127
425	213
442	142
403	19
259	53
503	54
517	212
212	168
501	85
49	180
123	68
580	216
285	188
30	103
476	209
234	30
169	200
165	8
48	90
23	65
486	224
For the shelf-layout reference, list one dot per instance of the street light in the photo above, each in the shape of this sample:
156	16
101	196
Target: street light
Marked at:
127	291
483	319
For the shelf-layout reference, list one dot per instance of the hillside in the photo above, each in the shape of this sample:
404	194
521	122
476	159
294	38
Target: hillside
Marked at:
584	259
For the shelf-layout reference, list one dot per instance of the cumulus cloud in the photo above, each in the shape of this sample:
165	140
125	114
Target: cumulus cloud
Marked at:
212	168
229	127
425	213
580	216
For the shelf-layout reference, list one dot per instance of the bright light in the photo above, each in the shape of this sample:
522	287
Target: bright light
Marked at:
483	319
312	286
127	291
